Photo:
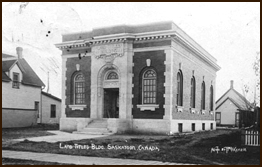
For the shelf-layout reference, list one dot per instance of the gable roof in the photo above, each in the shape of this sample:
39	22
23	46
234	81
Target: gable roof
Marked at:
29	76
233	101
7	64
237	104
51	96
5	77
7	56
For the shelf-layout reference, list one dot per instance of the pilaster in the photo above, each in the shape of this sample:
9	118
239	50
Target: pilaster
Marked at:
63	105
168	84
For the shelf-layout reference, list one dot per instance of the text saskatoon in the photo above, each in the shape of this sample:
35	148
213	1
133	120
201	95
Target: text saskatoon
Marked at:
109	147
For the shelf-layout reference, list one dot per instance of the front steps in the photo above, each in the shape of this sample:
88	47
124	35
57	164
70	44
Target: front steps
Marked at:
95	127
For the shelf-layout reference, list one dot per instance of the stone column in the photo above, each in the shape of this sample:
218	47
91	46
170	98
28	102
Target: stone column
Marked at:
169	74
63	105
125	66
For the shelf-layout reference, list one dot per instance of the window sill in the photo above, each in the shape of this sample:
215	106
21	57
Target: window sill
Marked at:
150	107
180	108
203	112
192	110
77	107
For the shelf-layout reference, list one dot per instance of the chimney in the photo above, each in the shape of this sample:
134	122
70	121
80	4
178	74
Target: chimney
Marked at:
19	51
231	84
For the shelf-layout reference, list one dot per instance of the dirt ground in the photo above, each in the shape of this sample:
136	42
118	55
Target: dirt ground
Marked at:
9	161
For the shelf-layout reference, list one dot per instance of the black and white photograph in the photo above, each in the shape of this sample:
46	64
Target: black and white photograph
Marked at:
130	83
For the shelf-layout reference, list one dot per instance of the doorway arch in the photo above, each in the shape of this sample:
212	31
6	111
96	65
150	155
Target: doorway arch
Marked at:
108	92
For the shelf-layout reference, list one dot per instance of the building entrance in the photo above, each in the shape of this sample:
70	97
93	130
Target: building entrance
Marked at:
111	103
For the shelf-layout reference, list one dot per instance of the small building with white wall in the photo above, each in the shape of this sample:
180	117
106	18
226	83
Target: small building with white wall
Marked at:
228	106
51	109
21	92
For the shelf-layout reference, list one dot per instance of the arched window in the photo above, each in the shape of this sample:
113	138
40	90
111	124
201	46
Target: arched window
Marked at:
79	83
180	88
193	93
149	87
112	75
211	98
203	92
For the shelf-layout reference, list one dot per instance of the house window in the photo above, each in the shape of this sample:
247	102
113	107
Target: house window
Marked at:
180	88
211	98
16	80
203	91
53	111
218	118
149	87
112	76
211	126
193	126
37	108
237	119
193	93
79	83
180	127
203	126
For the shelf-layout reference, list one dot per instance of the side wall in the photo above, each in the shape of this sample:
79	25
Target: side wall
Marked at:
22	98
46	110
228	113
13	118
190	62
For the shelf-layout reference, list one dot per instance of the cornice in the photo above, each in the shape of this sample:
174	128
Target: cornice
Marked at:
140	37
197	52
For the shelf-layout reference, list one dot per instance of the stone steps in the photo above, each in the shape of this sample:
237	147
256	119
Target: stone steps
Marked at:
96	127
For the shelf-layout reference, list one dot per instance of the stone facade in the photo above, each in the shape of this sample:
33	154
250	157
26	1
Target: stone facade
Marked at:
128	52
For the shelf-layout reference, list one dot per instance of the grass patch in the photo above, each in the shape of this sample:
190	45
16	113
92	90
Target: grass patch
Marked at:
8	134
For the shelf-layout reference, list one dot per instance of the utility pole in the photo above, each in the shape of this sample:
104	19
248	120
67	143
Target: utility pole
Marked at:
47	81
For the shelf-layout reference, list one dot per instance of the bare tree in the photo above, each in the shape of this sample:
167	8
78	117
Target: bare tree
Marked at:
256	68
246	89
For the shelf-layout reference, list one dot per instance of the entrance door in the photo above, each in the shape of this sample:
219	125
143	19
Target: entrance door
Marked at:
111	103
37	111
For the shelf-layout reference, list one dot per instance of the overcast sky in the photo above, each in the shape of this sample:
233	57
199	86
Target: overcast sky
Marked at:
228	31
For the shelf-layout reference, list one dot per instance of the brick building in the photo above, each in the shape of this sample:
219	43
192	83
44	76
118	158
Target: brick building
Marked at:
149	78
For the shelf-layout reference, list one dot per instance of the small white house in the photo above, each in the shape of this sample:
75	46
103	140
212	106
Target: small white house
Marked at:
51	109
228	105
21	92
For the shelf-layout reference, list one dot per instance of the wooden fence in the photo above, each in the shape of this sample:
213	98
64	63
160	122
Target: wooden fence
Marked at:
250	138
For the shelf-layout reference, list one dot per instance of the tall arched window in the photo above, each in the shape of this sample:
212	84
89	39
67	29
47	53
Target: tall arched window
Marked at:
180	88
79	83
211	98
149	87
203	92
193	93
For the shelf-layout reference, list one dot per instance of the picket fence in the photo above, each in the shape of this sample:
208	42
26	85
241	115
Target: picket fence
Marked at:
251	138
